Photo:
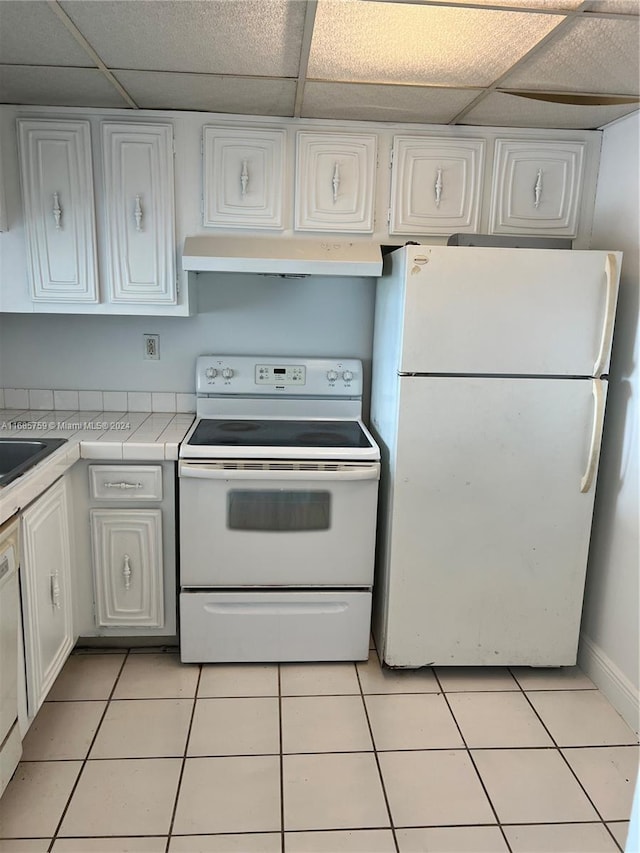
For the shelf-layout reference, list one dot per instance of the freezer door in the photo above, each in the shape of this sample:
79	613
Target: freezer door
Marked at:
529	312
489	520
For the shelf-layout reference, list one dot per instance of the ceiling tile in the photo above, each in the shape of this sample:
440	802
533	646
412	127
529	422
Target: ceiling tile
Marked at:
163	90
616	7
543	5
385	42
65	87
254	37
363	102
612	67
30	34
503	110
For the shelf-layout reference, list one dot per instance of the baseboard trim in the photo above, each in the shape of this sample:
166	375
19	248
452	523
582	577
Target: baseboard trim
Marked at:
615	685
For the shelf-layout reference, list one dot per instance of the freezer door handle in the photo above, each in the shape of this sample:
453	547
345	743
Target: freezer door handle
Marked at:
597	389
611	273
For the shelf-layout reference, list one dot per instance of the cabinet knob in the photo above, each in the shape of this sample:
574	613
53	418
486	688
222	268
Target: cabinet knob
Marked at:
126	571
335	181
537	189
57	211
244	178
138	214
55	590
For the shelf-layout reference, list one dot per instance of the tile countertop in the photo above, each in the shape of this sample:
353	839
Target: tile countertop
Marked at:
108	436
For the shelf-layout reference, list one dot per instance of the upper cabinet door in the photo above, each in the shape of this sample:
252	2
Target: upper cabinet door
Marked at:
435	185
139	199
536	187
243	177
335	182
57	188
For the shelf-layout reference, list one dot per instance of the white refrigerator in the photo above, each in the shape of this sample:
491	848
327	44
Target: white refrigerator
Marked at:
488	395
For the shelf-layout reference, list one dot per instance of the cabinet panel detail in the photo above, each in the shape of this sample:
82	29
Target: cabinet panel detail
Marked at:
57	189
335	182
46	592
536	187
436	185
139	200
127	565
243	177
126	482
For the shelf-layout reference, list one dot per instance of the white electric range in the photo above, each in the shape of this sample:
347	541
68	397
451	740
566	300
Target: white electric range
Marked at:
278	482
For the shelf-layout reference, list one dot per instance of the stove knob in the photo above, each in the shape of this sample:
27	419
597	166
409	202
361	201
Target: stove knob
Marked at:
332	375
211	373
227	373
347	375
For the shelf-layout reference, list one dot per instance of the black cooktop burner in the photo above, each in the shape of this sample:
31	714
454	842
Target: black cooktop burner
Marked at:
275	433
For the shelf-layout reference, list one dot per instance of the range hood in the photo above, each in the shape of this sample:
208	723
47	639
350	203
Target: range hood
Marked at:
281	256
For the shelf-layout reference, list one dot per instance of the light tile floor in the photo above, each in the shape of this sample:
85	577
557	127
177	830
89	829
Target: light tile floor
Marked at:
134	751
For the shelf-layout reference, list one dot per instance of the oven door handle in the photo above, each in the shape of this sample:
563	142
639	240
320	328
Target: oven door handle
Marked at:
213	471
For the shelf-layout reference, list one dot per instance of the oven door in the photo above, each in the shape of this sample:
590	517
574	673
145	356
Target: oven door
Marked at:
274	524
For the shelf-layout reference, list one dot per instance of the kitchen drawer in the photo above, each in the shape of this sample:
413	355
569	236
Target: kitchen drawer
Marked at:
126	482
236	627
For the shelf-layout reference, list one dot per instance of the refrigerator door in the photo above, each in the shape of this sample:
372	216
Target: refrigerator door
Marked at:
484	552
528	312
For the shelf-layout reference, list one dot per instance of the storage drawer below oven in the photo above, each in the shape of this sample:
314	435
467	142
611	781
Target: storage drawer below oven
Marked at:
244	627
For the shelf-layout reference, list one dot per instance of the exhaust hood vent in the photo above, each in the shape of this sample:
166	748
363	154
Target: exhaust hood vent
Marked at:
281	256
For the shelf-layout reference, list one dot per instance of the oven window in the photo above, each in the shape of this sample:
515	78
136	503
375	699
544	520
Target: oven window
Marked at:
282	511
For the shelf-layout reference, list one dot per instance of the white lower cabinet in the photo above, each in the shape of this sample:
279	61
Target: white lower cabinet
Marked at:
125	539
46	592
127	567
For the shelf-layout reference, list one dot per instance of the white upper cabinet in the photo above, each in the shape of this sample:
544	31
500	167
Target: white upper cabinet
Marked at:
57	188
139	199
335	182
436	185
244	173
537	187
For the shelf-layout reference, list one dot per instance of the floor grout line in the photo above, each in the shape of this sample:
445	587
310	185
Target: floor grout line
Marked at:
184	760
377	760
280	741
475	767
86	758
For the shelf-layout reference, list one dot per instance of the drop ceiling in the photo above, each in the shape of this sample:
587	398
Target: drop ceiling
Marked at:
519	63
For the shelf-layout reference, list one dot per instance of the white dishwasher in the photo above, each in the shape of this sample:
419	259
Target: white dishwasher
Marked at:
10	741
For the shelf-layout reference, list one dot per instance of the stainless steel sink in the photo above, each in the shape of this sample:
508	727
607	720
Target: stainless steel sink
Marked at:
17	455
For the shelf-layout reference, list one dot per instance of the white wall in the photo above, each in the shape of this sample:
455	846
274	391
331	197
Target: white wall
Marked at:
237	314
610	641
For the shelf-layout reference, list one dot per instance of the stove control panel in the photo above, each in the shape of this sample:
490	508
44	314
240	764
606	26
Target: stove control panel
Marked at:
280	374
256	375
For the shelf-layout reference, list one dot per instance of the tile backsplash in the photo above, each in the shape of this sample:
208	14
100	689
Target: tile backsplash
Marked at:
97	401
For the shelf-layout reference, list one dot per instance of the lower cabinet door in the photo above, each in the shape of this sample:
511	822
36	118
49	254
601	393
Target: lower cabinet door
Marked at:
46	592
127	567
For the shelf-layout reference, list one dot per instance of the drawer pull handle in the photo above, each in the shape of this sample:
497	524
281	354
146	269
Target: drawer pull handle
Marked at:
335	181
244	178
123	485
126	571
537	190
438	187
57	210
138	214
55	590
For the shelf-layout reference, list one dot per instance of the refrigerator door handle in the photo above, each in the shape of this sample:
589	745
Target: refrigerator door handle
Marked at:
609	314
597	389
